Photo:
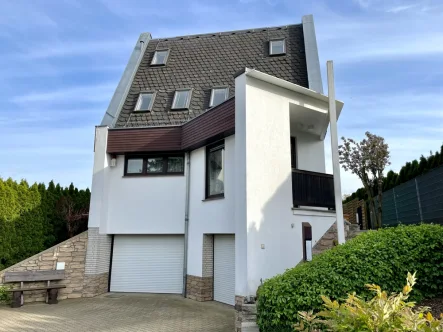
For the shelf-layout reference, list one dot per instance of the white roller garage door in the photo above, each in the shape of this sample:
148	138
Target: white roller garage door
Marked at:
147	263
224	269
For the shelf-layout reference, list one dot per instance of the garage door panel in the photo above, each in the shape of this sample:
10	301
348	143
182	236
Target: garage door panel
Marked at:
147	263
224	269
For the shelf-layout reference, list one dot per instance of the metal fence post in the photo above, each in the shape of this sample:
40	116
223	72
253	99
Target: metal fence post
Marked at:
418	199
395	204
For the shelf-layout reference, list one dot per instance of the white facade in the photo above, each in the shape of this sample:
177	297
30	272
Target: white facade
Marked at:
257	207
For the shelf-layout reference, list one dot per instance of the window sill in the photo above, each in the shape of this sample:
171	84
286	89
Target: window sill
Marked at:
151	175
213	198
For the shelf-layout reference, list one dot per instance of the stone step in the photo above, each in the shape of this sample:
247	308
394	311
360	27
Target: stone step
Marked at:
249	327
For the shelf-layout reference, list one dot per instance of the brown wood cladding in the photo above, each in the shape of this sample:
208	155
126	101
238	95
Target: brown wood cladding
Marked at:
144	140
216	123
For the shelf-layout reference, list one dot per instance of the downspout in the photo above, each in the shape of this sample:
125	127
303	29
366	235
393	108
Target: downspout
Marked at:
188	186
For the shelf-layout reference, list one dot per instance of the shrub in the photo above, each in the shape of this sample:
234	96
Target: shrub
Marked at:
5	296
381	313
380	257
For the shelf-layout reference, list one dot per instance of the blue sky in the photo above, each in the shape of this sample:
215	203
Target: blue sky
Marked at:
60	61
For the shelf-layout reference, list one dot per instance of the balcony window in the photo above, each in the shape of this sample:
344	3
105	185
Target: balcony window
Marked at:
215	177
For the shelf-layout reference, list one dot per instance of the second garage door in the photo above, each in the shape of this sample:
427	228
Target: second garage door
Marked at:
224	269
147	264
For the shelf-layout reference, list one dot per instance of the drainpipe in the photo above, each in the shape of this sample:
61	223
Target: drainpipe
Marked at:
188	186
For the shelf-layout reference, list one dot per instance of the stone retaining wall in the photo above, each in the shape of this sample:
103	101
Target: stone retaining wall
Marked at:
73	253
199	288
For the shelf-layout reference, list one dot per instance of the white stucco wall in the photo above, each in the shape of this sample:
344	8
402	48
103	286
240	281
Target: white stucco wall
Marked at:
98	203
211	216
145	204
310	152
320	221
265	222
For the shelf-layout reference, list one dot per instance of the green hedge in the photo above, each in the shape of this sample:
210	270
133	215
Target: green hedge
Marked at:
30	220
380	257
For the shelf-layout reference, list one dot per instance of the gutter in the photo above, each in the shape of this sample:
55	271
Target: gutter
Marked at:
188	188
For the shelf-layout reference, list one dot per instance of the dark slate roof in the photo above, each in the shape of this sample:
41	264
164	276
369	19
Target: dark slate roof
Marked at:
202	62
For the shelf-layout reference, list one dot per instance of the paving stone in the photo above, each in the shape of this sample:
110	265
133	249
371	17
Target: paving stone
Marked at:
122	313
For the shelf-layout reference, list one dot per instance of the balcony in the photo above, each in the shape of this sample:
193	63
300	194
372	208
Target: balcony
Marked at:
312	189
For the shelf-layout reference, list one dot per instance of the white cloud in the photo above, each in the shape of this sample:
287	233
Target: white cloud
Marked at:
401	8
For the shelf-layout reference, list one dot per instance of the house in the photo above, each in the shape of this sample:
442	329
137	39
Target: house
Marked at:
209	165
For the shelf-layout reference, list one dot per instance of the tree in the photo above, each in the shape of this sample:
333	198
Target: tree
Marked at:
367	159
72	215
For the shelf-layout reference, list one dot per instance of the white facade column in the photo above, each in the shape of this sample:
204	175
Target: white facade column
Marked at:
98	205
335	157
98	251
240	210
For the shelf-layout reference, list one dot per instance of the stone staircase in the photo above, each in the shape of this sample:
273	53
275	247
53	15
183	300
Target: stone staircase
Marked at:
330	238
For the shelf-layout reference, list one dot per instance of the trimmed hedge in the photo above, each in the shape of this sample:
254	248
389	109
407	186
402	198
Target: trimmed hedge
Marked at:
30	220
380	257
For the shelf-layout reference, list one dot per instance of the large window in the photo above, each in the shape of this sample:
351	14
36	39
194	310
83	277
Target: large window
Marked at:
215	177
181	99
218	95
168	164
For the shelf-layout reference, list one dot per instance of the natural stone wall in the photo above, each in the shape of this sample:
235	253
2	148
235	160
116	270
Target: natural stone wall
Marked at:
98	257
95	284
202	288
245	315
330	238
350	210
72	252
199	288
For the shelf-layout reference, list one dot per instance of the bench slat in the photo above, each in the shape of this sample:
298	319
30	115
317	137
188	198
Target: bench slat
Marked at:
38	288
34	275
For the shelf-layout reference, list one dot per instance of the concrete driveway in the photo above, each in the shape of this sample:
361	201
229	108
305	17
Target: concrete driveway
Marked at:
120	312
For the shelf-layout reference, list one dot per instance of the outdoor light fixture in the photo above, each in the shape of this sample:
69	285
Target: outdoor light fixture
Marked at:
113	160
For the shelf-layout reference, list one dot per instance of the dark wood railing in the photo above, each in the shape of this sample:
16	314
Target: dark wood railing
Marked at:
312	189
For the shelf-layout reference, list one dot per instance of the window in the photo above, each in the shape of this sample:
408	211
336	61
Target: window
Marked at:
165	164
145	101
181	99
277	47
160	58
134	166
218	95
215	178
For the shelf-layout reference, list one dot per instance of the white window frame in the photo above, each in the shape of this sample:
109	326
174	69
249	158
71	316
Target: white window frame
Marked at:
154	58
277	40
139	101
188	101
211	102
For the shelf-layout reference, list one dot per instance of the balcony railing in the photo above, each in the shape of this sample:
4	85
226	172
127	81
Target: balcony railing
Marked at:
312	189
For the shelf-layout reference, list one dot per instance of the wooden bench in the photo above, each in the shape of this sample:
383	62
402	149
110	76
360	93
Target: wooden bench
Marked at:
32	276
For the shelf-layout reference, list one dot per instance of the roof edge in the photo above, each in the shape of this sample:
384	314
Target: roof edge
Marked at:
311	51
121	92
223	33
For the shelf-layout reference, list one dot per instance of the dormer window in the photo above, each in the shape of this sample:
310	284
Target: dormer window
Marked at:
277	47
218	96
145	101
160	58
182	99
